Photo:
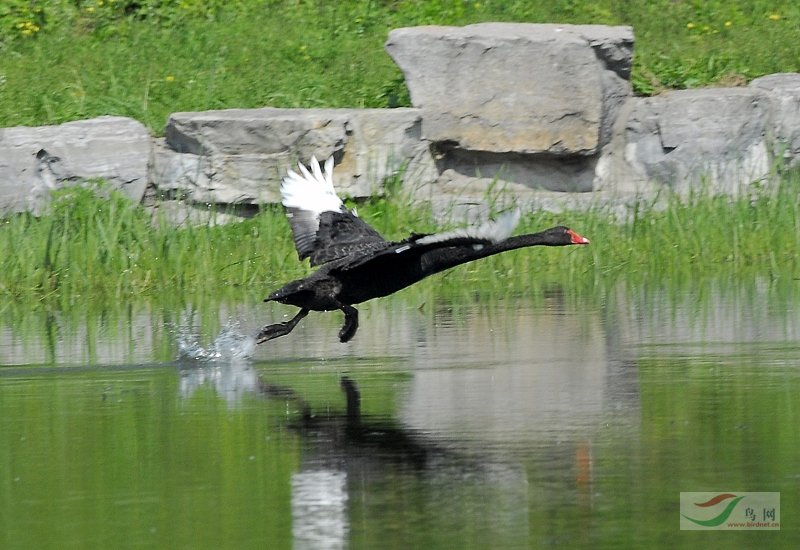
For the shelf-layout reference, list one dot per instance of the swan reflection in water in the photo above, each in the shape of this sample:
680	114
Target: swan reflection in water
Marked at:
345	454
339	450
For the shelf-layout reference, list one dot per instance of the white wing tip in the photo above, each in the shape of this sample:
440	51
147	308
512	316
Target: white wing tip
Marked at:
310	190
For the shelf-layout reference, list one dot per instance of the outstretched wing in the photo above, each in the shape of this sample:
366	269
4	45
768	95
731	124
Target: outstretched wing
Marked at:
322	228
488	232
475	236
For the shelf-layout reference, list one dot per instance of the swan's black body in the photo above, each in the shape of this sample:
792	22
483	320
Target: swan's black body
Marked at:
357	264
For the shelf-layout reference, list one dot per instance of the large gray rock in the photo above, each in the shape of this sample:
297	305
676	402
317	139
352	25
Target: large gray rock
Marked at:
35	160
238	156
784	93
513	87
713	138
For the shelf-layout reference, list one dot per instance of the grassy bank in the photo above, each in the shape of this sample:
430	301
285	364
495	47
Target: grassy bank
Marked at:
63	60
109	249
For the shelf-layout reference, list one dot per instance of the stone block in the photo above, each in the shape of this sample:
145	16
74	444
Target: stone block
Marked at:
712	138
513	87
240	155
783	90
35	160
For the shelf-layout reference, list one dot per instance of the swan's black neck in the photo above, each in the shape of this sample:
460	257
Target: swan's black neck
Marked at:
441	259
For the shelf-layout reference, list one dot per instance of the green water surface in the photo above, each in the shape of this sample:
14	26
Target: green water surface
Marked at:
511	426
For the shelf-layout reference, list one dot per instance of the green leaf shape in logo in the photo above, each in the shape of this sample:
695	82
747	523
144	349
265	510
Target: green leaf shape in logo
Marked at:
713	522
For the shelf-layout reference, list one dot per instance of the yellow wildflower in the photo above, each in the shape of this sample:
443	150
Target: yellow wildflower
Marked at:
689	25
775	16
27	28
728	24
169	78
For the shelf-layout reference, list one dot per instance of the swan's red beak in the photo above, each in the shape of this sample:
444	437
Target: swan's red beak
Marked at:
577	239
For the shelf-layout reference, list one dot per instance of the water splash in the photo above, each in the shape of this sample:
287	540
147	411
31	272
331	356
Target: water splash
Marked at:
231	345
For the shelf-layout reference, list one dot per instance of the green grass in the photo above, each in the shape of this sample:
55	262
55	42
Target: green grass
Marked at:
61	62
91	245
108	248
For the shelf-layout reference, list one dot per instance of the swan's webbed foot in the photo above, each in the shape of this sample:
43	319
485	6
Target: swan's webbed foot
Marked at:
272	331
350	326
276	330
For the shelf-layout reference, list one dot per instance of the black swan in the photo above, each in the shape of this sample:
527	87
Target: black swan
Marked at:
357	264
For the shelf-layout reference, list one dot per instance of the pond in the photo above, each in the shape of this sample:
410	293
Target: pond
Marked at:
508	423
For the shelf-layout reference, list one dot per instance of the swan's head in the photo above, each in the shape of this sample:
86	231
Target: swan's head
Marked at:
562	236
575	238
289	293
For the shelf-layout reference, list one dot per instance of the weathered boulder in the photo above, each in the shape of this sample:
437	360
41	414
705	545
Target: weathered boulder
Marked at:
783	90
714	138
35	160
238	156
513	87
